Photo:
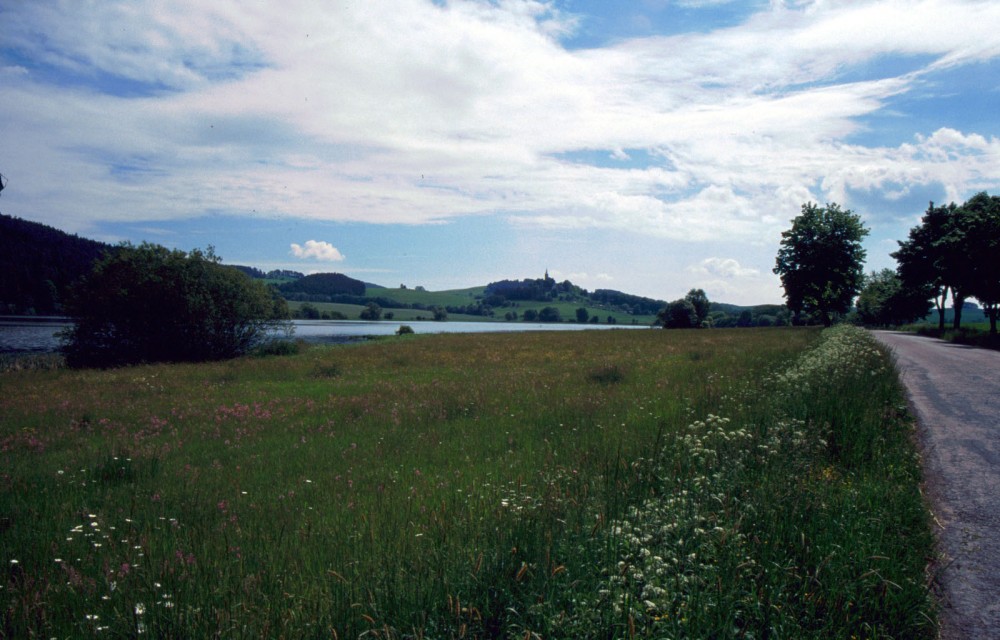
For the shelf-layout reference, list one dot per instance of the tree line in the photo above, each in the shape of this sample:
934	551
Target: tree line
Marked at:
952	252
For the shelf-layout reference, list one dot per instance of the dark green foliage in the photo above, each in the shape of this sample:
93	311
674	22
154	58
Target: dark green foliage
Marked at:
308	311
325	284
539	289
582	315
371	312
954	250
253	272
699	300
635	305
38	264
147	303
884	301
983	220
549	314
679	314
404	329
821	261
926	260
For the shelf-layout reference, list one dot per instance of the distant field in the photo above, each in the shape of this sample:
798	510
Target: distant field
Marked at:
353	311
607	484
464	297
456	297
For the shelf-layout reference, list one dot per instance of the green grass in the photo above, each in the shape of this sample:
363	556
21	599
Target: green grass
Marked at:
972	334
353	312
453	297
566	309
750	483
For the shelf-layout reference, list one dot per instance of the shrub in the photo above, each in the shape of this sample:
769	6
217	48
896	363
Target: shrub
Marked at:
152	304
404	330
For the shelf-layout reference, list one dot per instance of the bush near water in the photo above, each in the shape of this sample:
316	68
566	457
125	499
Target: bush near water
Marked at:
728	484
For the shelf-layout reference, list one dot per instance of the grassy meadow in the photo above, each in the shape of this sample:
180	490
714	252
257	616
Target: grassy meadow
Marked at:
754	483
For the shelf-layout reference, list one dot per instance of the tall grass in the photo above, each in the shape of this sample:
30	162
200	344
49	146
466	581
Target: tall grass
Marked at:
579	484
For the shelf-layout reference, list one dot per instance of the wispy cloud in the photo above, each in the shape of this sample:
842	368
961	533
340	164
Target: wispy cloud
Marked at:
416	112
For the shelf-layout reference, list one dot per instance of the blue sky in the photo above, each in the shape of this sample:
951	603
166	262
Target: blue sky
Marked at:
651	146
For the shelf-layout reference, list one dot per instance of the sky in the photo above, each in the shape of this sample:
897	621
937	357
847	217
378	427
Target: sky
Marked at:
648	146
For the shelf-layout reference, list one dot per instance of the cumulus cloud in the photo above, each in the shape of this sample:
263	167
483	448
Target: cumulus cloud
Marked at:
317	250
416	112
723	268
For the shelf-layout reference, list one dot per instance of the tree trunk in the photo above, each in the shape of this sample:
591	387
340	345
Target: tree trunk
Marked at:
939	303
959	302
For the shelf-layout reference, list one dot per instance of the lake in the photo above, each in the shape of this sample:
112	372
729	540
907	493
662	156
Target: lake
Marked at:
38	335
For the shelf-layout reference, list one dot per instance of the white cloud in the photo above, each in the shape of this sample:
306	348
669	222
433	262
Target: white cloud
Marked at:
322	251
408	111
723	267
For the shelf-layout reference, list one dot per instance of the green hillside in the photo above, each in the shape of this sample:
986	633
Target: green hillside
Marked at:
451	297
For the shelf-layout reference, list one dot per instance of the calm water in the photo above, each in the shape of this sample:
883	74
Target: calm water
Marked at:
30	335
36	335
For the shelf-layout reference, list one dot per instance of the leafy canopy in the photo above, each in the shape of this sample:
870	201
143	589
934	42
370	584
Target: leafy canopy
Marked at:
147	303
821	261
954	249
885	301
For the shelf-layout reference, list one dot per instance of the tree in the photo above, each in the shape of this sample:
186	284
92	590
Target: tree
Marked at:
885	300
983	249
745	319
309	311
582	315
934	259
679	314
371	312
821	261
549	314
702	306
152	304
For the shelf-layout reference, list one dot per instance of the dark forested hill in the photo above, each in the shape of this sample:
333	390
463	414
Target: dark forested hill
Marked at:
38	263
324	284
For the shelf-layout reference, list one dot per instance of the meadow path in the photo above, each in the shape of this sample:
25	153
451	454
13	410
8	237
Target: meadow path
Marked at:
955	394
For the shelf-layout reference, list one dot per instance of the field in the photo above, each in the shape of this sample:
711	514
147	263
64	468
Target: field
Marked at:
749	483
464	297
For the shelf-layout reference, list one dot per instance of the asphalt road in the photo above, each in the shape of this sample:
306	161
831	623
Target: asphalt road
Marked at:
955	394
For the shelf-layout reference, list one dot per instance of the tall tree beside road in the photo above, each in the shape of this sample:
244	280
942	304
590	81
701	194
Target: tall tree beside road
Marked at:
954	250
924	261
821	261
983	250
